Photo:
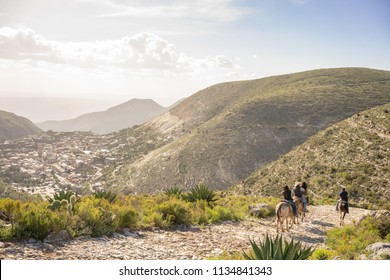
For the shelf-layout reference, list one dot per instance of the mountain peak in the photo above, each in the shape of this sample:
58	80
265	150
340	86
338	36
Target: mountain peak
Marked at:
133	112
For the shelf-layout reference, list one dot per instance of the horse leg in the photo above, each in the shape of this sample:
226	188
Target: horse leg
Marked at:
287	224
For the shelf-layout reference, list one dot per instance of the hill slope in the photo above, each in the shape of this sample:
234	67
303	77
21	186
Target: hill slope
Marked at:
354	153
13	126
224	133
128	114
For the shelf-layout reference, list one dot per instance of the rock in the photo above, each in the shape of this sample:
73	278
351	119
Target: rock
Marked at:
127	233
375	214
4	245
48	248
380	251
258	209
62	235
117	235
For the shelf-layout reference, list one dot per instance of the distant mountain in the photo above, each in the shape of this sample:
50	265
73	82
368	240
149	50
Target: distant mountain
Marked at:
128	114
354	153
13	127
224	133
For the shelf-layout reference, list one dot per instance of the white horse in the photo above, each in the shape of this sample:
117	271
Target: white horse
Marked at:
284	212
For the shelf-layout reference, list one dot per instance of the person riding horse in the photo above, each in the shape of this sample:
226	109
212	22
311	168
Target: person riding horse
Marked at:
343	198
287	196
298	192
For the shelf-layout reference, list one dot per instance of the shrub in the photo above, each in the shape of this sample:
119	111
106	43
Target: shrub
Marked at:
127	217
10	208
350	241
322	254
37	221
176	212
97	216
278	249
219	214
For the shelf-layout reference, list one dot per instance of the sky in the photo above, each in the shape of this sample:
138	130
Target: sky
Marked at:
115	50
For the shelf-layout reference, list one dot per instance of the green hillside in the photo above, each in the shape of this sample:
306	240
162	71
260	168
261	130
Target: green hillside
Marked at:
354	153
224	133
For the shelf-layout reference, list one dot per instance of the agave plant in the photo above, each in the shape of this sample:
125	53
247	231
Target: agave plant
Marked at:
110	196
174	191
201	192
61	195
278	249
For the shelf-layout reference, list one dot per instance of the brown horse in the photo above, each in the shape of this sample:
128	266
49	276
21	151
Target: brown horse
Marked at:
284	212
343	210
300	207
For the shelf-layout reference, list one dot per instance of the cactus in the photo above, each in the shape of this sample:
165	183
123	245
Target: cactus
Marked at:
63	204
55	205
72	200
69	208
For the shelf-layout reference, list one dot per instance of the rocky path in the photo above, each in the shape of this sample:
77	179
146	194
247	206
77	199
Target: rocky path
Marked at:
190	244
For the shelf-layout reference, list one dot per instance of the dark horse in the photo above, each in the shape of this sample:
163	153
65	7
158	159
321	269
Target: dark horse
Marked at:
343	210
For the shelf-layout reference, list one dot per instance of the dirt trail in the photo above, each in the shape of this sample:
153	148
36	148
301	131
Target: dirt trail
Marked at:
190	244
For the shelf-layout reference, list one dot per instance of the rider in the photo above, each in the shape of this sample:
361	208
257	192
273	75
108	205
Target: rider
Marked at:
343	197
298	192
288	198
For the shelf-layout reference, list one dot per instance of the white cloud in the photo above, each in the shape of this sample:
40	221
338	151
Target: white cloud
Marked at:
141	52
201	10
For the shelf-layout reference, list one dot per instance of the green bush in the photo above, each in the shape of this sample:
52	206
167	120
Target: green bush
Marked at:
350	241
175	212
38	222
323	254
127	217
97	216
220	214
278	249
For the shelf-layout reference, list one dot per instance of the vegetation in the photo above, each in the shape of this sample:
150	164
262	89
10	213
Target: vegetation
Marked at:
353	154
278	249
350	241
98	215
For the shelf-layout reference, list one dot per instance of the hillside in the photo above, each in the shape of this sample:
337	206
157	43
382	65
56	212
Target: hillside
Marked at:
128	114
13	126
353	153
224	133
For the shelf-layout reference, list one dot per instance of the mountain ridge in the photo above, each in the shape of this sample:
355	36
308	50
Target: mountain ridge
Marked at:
133	112
227	131
13	126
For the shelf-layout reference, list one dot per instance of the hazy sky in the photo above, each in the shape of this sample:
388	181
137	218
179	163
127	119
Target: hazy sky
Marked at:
169	49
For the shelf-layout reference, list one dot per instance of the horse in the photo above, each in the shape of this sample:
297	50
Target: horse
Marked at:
284	212
300	207
343	210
